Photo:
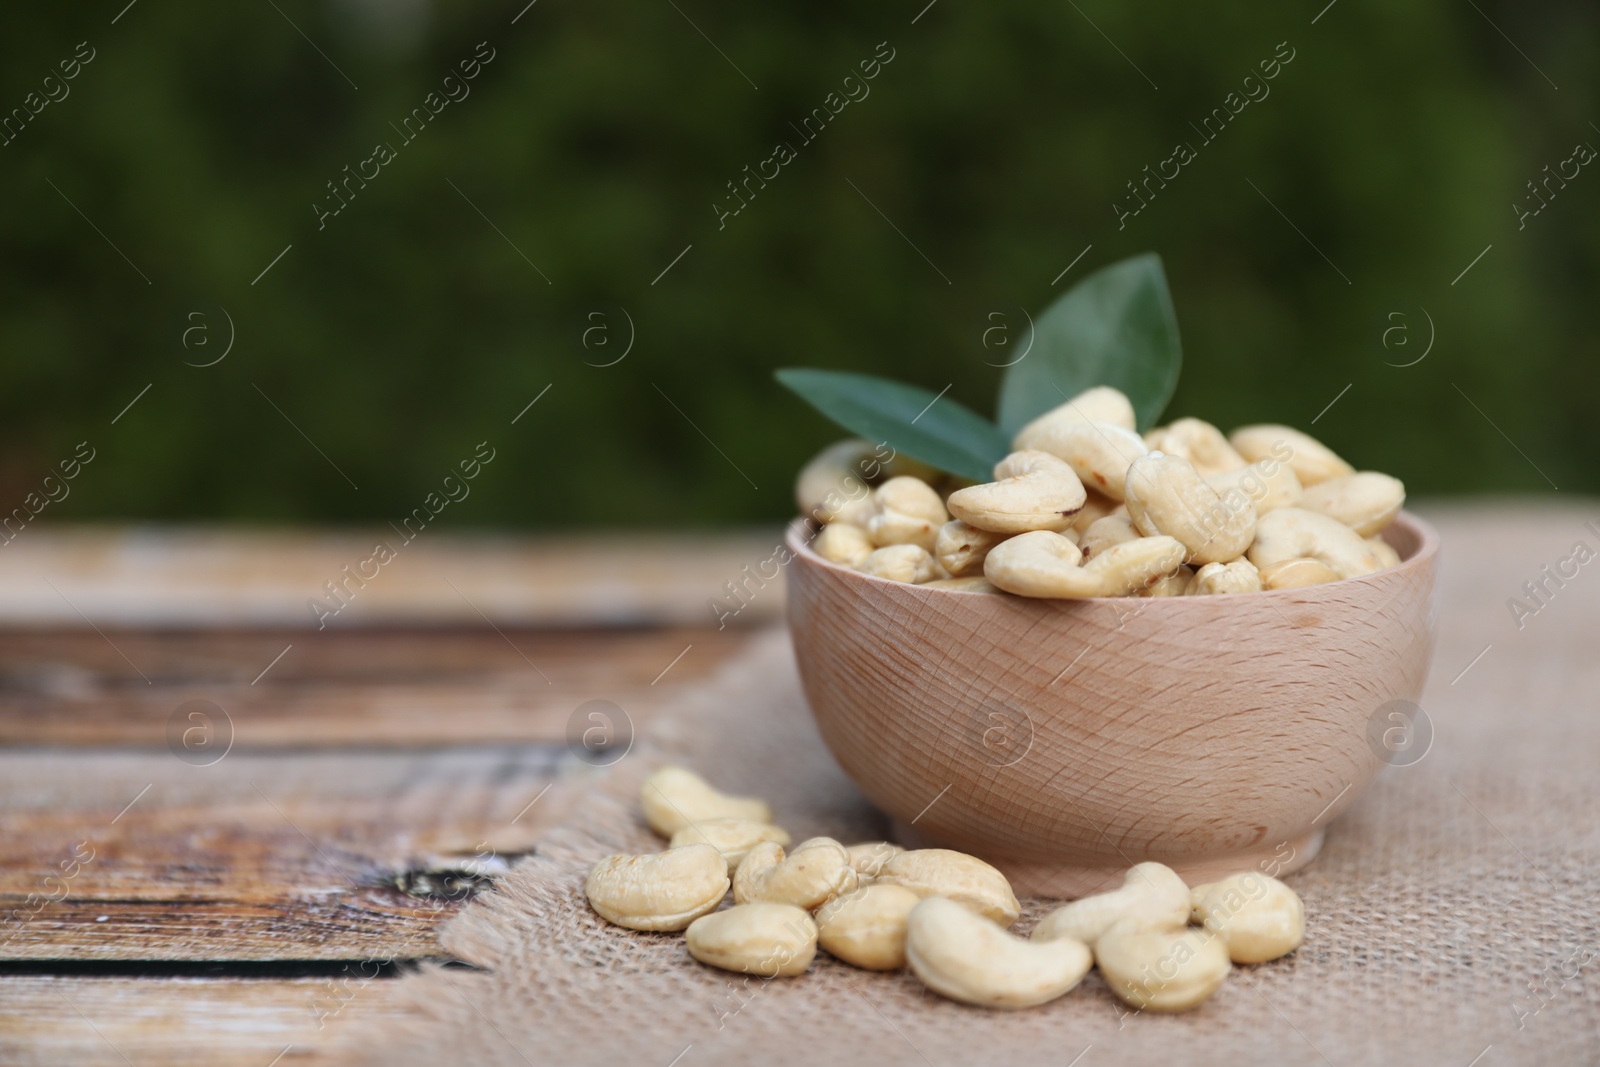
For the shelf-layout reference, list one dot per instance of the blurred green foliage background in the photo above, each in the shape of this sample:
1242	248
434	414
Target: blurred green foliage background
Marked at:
460	282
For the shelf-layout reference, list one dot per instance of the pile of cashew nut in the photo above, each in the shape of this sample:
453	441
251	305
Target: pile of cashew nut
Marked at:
1085	507
1160	944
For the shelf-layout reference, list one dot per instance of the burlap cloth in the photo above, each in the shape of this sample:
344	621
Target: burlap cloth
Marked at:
1453	917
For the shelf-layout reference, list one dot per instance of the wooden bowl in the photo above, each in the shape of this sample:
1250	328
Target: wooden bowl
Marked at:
1066	740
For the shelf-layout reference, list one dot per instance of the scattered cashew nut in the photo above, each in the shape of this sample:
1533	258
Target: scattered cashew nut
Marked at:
967	880
1031	491
818	868
734	838
867	928
770	940
1257	916
1161	970
1151	896
674	797
969	958
868	857
659	891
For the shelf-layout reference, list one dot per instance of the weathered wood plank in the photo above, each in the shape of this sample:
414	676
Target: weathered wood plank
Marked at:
122	855
225	1022
191	576
399	687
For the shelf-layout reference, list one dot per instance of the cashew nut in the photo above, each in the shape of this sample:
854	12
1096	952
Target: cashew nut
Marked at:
832	488
1152	897
1365	502
734	838
868	857
1161	970
867	928
967	880
969	958
1387	556
1100	404
844	543
770	940
1197	441
1043	564
1311	460
1175	584
1267	484
818	868
1103	533
658	891
674	797
906	511
1296	574
960	548
1031	491
1096	505
1098	452
1294	533
1258	917
1165	495
1240	576
910	564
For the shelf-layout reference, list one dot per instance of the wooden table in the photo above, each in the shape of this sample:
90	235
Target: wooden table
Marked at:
226	882
223	828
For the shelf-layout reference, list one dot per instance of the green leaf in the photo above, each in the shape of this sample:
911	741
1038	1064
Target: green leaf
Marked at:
926	426
1117	328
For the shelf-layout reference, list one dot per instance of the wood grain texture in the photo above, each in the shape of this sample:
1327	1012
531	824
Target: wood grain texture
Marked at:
406	687
215	1022
1066	740
192	576
137	856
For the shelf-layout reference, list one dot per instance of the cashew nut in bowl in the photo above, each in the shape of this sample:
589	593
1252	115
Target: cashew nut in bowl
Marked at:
1266	483
1197	441
1297	574
660	891
1311	460
1166	495
1043	564
960	549
1175	584
964	956
833	487
910	564
843	543
1098	452
906	511
1031	491
1100	404
1366	502
1294	533
1240	576
1103	533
